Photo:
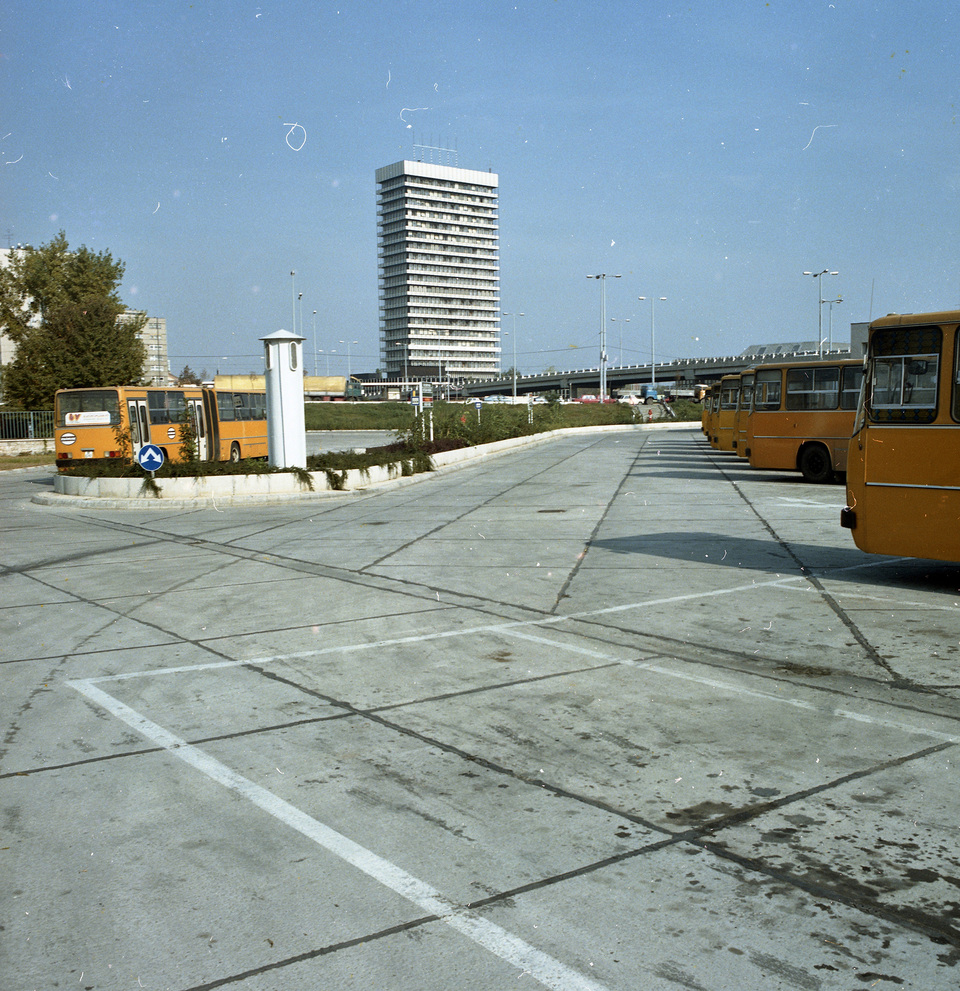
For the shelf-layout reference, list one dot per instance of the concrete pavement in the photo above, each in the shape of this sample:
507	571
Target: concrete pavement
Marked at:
613	711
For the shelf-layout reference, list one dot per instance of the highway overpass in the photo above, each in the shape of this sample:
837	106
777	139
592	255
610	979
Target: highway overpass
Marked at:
680	373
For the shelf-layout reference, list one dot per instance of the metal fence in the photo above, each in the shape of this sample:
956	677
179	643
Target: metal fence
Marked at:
26	424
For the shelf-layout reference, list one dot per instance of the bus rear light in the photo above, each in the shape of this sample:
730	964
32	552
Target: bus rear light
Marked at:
113	454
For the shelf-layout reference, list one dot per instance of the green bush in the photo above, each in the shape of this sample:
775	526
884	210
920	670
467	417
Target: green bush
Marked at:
358	416
454	425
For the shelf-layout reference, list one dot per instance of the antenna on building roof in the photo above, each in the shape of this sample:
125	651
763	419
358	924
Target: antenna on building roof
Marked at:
437	154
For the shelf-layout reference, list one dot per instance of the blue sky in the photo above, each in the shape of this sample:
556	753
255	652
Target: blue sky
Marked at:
709	152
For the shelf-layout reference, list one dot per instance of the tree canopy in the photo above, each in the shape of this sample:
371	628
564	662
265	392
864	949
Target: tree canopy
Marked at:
189	377
61	308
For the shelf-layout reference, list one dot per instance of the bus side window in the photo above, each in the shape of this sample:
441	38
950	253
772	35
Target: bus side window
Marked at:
766	390
850	389
956	375
920	381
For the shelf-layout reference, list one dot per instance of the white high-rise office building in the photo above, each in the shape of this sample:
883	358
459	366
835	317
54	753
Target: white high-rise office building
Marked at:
438	247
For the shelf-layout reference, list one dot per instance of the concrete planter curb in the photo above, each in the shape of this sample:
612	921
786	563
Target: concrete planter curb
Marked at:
214	490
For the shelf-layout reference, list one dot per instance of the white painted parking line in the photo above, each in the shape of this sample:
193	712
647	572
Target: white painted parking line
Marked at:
860	717
517	628
419	638
546	970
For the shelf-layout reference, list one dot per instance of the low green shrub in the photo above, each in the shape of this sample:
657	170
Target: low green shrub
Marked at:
454	425
357	416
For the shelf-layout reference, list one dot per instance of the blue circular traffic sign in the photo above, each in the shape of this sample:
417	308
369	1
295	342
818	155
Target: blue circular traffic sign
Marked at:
150	457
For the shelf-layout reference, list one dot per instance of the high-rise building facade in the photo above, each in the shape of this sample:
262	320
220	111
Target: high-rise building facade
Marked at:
156	363
438	248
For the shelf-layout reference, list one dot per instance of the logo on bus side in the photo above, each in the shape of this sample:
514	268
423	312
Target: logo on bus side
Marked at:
90	418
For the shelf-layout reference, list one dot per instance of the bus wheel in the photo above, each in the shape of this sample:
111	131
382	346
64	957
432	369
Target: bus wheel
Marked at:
815	464
234	452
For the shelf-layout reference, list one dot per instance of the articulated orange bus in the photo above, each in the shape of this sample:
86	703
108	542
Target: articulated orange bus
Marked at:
802	416
903	473
115	422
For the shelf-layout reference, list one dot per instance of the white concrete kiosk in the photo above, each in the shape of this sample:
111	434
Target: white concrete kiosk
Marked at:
286	429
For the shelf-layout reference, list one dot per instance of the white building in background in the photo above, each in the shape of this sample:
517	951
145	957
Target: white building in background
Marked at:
156	364
438	249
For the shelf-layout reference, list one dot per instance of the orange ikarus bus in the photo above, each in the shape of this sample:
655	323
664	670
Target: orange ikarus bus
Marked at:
116	421
742	416
729	391
802	416
903	471
706	416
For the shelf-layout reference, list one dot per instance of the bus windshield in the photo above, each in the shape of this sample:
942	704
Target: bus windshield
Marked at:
88	407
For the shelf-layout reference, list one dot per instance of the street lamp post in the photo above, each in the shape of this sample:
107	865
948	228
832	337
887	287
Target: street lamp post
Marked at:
603	331
514	315
348	344
820	302
839	299
625	320
653	359
315	344
293	297
300	301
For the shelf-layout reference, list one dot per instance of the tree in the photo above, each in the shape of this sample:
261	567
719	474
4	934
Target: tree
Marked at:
78	345
61	309
189	377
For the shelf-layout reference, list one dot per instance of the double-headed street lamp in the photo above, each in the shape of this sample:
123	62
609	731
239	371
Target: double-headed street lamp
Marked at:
653	362
348	344
514	315
839	299
603	331
820	302
327	353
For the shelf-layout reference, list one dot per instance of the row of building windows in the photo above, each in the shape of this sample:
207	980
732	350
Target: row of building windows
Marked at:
487	342
463	254
427	182
461	243
416	262
487	231
407	205
396	308
431	194
427	282
486	218
443	310
415	325
459	294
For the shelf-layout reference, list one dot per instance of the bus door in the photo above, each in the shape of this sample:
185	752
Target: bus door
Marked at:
139	425
199	426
